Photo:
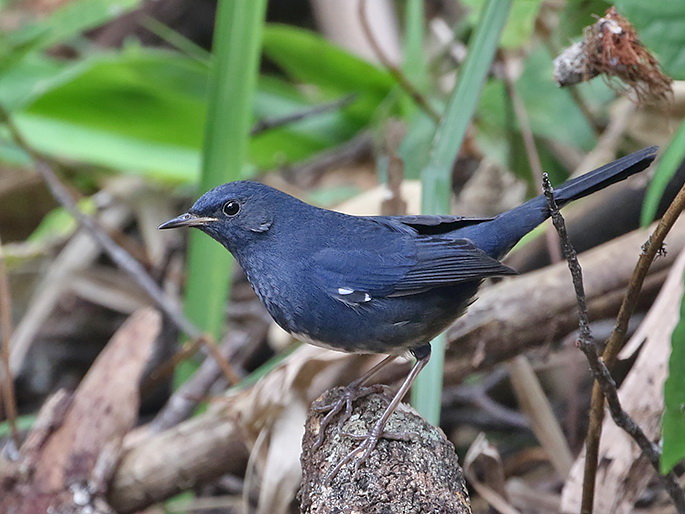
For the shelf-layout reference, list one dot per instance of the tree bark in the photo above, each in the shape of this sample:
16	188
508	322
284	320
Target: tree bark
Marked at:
419	472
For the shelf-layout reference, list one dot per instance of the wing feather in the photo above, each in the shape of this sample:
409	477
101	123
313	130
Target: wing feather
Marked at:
411	264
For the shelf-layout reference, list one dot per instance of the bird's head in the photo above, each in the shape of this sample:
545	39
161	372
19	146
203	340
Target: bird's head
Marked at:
234	213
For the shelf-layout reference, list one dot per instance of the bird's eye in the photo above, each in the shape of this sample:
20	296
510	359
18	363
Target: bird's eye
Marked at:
231	208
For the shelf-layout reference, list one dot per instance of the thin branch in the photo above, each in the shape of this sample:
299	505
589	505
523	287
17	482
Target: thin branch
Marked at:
264	125
120	256
650	250
397	73
599	369
229	373
8	394
166	368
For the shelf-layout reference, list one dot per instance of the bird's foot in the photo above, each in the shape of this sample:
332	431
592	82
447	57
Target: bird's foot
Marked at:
362	452
344	401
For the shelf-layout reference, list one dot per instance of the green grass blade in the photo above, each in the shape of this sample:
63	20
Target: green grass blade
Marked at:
673	424
665	169
426	393
233	80
414	61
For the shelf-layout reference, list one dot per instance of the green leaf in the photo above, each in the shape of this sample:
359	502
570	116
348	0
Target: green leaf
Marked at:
59	223
138	110
661	27
674	398
23	423
665	169
309	58
152	96
144	111
295	141
574	17
553	113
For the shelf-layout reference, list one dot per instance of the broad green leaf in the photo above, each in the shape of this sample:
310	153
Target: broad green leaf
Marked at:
665	169
69	141
661	26
139	111
674	398
574	17
308	58
152	96
144	111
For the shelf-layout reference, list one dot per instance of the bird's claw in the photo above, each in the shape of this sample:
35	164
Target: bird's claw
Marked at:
332	409
369	443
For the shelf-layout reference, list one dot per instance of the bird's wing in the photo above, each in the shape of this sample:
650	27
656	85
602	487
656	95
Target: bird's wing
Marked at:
427	224
441	262
357	276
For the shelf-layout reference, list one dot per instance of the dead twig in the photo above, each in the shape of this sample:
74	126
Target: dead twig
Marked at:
9	398
612	48
650	250
597	364
185	399
264	125
118	254
397	74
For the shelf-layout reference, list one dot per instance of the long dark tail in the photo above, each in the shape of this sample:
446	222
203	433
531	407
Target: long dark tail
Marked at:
608	174
512	225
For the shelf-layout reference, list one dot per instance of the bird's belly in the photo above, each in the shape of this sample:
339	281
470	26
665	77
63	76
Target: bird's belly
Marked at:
389	325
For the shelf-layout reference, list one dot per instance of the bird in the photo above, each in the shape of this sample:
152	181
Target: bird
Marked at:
372	284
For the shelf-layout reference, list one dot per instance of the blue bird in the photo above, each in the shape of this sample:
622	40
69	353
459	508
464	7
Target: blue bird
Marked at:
372	284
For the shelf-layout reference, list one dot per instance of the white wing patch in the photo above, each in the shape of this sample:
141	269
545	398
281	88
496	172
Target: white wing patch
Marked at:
352	296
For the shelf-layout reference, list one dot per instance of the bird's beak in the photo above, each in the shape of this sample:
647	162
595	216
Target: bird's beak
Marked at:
187	220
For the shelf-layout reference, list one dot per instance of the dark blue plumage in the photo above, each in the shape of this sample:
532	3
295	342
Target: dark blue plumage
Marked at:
382	284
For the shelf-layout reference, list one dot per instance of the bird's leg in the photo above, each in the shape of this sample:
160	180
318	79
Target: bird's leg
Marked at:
353	391
371	439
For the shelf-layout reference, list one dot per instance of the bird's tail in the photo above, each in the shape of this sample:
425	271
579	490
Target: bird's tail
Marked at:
514	224
608	174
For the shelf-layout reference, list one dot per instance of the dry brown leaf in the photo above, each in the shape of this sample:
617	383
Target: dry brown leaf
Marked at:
484	472
73	463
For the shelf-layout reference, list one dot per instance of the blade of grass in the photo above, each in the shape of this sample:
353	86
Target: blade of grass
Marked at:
414	65
176	39
436	176
237	42
666	168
